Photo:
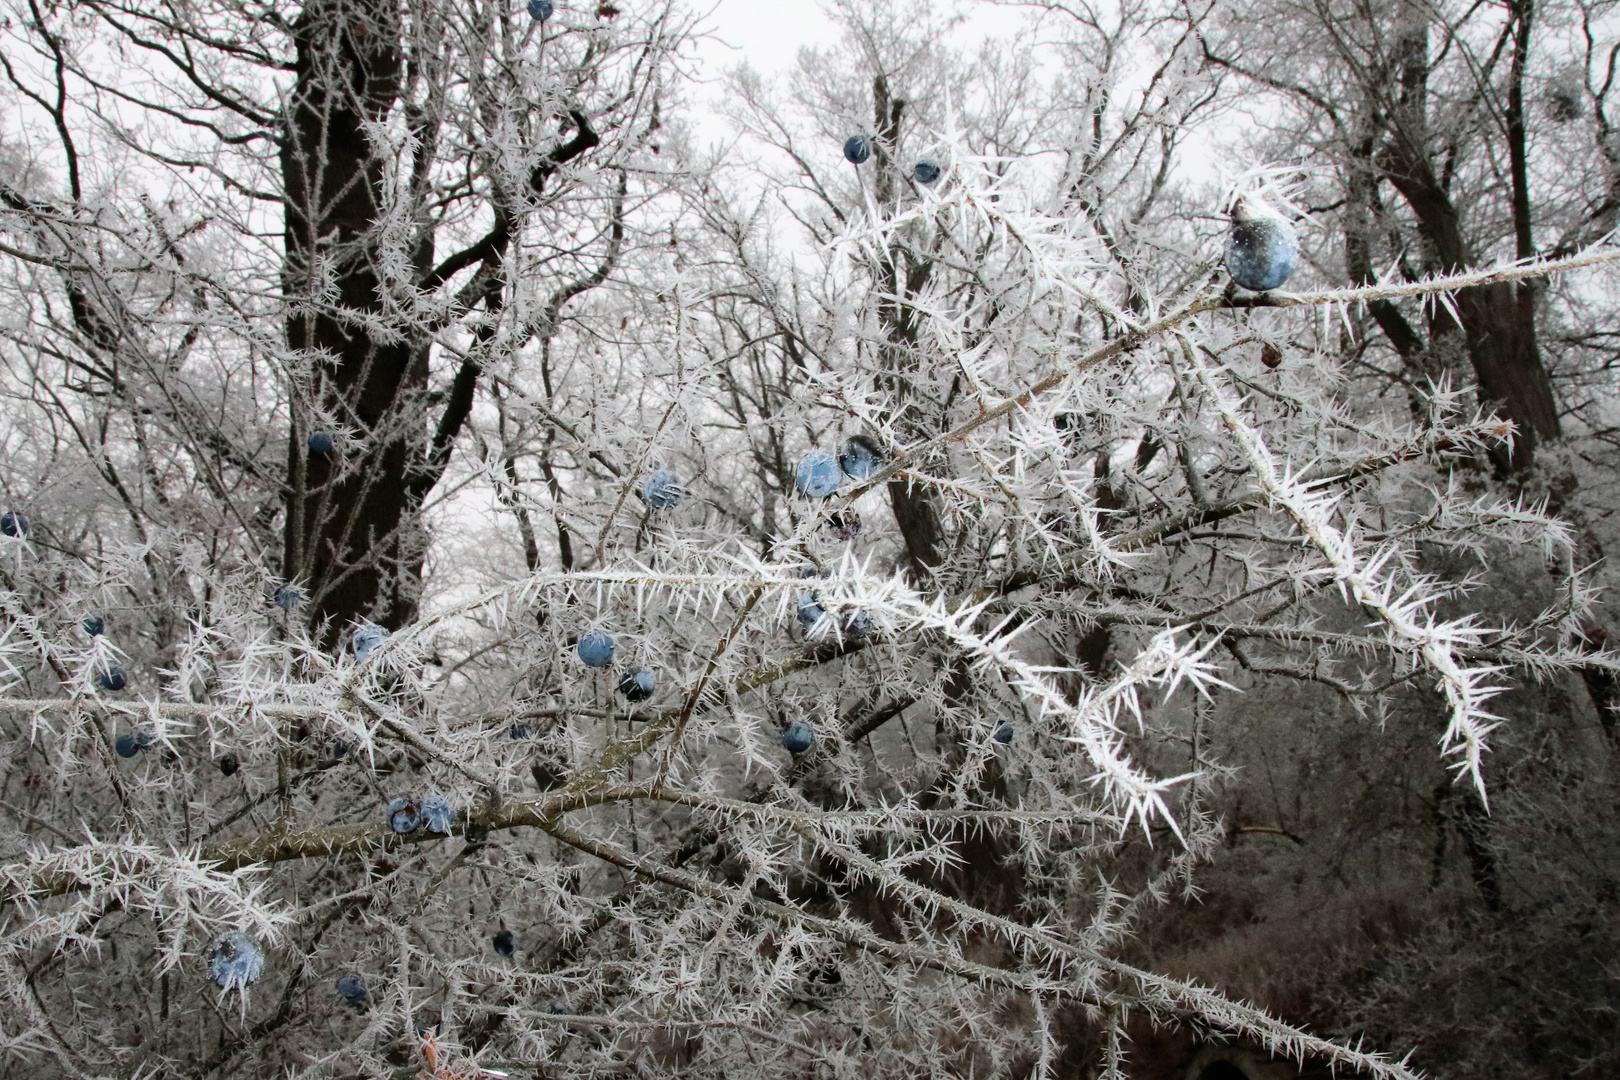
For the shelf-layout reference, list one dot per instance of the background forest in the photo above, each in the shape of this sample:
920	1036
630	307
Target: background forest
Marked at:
497	578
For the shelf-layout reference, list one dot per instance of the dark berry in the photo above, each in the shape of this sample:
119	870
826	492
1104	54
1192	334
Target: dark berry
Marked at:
229	764
857	149
112	678
352	988
93	625
798	737
404	815
506	943
13	524
639	684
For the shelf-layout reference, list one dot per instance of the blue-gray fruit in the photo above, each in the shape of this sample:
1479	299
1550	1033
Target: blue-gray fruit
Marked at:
662	490
366	637
438	814
540	10
111	678
320	443
1262	246
94	626
596	649
798	737
857	149
818	475
506	942
926	171
14	524
859	457
237	961
352	988
404	815
639	684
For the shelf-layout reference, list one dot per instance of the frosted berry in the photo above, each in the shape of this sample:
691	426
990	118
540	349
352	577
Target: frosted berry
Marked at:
662	490
845	524
541	10
506	942
1262	246
340	748
229	764
857	149
438	814
352	988
926	171
288	597
596	649
558	1008
126	745
93	625
320	443
810	611
798	737
639	684
112	678
858	625
818	475
237	961
366	637
519	731
859	457
13	524
1003	733
404	815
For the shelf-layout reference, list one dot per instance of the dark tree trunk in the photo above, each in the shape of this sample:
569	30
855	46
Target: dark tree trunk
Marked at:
348	532
1497	321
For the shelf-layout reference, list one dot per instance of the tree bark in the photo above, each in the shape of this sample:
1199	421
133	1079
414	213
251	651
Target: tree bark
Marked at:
347	534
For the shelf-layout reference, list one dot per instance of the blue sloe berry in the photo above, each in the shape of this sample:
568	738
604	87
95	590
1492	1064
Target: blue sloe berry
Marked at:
540	10
519	731
926	172
506	942
14	524
127	745
858	625
1262	246
352	988
663	490
404	815
367	636
639	684
288	597
596	649
558	1008
320	443
818	475
237	961
859	457
1003	733
798	737
93	625
438	814
810	611
857	149
112	678
339	748
229	764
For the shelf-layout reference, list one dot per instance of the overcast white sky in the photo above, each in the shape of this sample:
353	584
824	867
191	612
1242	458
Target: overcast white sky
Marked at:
767	33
